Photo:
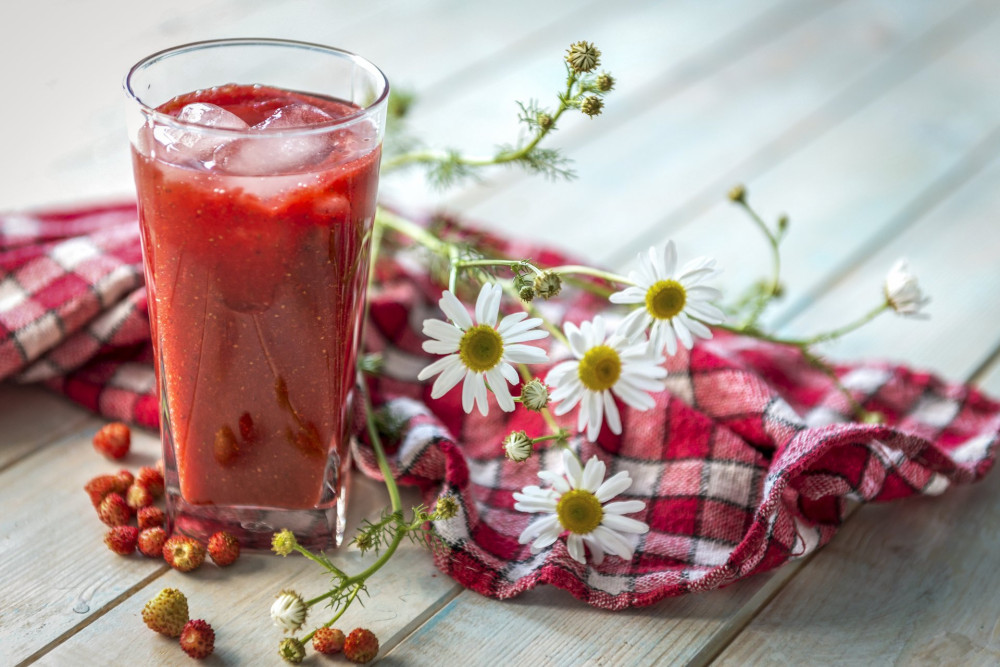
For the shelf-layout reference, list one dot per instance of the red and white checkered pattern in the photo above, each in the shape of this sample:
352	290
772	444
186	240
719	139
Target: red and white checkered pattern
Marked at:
746	461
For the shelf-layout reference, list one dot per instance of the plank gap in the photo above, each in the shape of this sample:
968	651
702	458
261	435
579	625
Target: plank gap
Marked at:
122	597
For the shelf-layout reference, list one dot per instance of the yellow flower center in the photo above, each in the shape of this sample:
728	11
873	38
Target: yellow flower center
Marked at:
600	367
579	511
481	348
665	299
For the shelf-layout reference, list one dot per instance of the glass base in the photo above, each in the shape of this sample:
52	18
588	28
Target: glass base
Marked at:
316	528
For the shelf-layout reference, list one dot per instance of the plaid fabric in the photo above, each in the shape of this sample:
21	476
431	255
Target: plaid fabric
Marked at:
747	460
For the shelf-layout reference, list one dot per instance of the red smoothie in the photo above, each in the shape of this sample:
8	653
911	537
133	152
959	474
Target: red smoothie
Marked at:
256	261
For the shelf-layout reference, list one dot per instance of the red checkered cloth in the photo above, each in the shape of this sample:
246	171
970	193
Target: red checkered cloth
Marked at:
747	460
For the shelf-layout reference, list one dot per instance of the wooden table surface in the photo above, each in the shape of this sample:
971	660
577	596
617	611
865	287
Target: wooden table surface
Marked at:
874	123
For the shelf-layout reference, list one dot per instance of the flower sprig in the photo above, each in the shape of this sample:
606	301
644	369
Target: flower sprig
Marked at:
584	91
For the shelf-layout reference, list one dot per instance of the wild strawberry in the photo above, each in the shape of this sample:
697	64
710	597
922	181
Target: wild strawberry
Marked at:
99	487
223	548
328	640
122	539
183	553
113	440
198	639
152	479
361	645
167	613
151	541
150	517
114	511
124	479
138	496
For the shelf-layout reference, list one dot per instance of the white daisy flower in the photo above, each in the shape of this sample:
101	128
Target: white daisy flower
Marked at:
676	304
289	611
604	366
578	503
902	292
480	351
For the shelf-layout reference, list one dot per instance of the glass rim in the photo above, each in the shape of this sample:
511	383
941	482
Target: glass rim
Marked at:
166	119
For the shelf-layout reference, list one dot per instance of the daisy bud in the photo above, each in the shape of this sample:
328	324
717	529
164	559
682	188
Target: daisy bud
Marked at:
283	543
782	223
738	194
526	293
364	542
605	82
547	284
447	507
291	650
289	611
544	121
535	395
592	106
902	292
583	57
518	446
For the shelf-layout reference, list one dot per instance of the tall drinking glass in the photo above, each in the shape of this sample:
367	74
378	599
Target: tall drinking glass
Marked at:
256	164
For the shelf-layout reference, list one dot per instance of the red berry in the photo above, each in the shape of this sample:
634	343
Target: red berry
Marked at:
183	553
138	496
151	541
328	640
122	539
152	479
361	645
113	440
150	517
99	487
223	548
198	639
114	511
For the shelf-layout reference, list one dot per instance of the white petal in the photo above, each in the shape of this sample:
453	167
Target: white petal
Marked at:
596	550
706	312
558	373
599	331
557	481
564	405
634	398
635	323
631	294
613	485
525	354
439	347
682	333
613	542
515	323
669	260
595	406
493	306
509	372
438	366
667	338
574	544
703	293
499	386
442	331
577	341
611	413
624	524
468	392
573	472
483	302
455	311
534	505
479	386
538	527
593	474
695	327
544	540
448	379
646	270
532	334
624	507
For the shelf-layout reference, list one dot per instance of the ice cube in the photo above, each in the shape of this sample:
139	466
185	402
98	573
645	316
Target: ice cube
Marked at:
265	156
191	146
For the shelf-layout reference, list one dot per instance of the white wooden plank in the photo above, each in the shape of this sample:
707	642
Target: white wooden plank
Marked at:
30	418
637	173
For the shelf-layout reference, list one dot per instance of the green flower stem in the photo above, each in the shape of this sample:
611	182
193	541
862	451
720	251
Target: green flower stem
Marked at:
771	290
430	157
554	436
462	263
347	603
533	311
411	230
575	269
823	337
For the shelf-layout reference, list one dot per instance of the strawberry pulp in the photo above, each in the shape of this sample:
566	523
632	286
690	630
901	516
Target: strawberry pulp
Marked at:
256	272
